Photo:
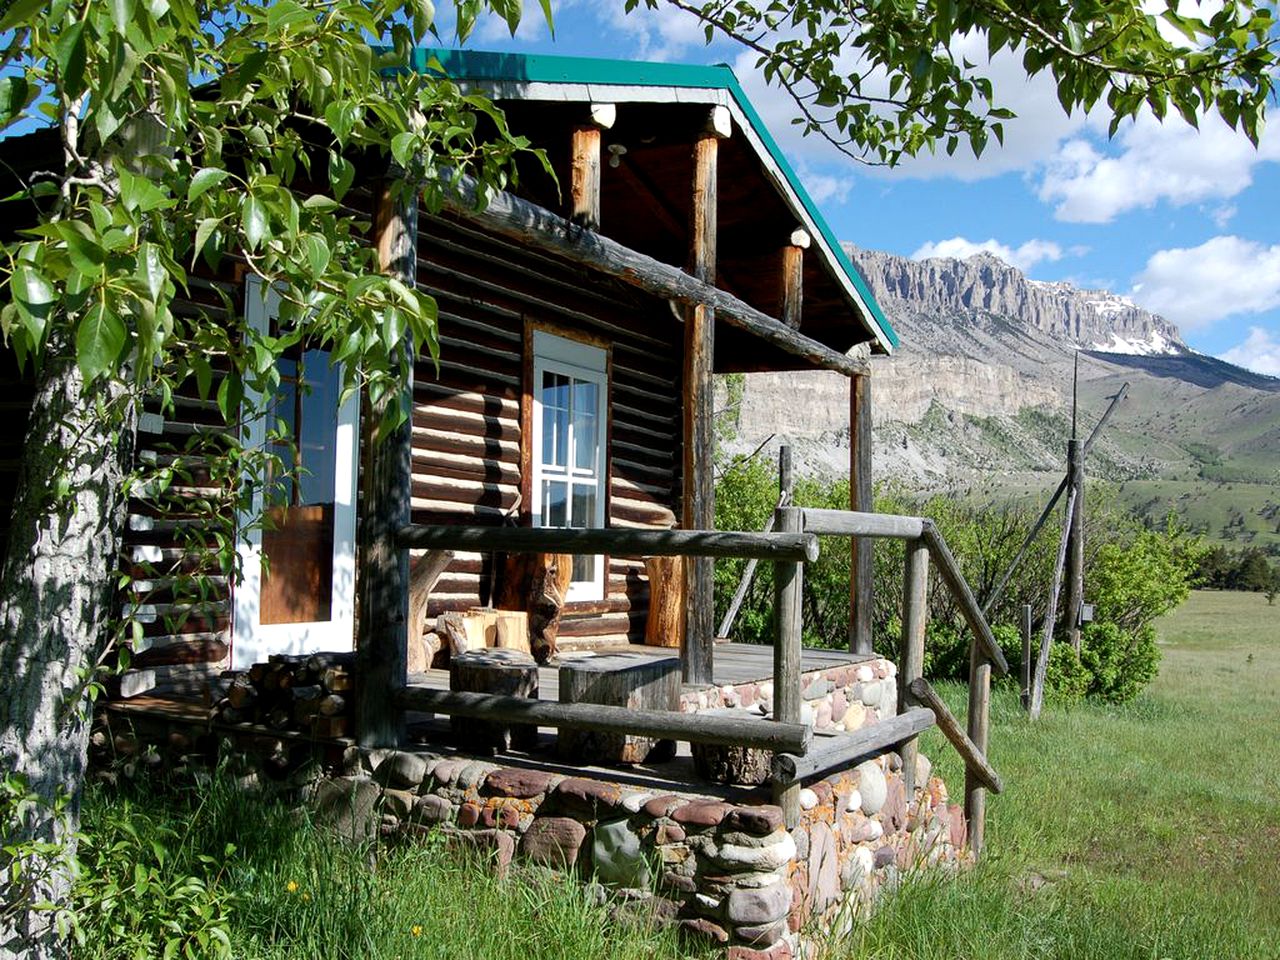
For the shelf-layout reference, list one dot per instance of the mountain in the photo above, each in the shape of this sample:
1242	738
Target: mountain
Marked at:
978	398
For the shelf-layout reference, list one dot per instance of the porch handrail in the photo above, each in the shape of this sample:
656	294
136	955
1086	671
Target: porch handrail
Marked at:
616	541
924	542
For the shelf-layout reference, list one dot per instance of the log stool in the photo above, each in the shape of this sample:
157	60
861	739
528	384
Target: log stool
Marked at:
511	673
740	765
634	680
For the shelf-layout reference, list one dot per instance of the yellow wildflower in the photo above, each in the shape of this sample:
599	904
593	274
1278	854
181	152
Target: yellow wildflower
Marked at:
306	898
416	930
292	886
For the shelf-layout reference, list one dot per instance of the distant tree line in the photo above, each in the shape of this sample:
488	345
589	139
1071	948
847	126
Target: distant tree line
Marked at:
1246	568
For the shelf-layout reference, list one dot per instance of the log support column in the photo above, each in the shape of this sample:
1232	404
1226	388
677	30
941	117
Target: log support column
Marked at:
792	293
698	500
584	173
861	601
382	642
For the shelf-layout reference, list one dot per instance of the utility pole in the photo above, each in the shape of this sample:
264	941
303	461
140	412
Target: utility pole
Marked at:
1075	533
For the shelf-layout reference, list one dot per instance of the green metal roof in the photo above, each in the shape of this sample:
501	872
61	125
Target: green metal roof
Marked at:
482	65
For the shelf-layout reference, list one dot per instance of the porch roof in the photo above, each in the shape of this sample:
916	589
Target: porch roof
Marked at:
536	89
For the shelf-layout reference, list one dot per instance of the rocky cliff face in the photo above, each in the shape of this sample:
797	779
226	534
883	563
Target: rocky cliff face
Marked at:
982	382
921	292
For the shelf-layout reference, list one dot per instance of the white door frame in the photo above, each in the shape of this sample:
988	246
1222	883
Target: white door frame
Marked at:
253	641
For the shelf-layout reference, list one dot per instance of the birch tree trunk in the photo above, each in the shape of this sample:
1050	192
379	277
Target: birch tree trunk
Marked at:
55	605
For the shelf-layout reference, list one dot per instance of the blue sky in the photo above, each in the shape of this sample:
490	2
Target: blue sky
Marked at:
1182	221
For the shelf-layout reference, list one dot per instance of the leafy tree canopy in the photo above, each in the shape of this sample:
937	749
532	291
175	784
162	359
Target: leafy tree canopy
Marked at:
882	79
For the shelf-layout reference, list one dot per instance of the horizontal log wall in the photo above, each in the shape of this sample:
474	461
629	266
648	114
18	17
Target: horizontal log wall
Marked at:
185	623
467	420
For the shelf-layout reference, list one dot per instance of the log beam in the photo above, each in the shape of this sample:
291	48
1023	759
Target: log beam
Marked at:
528	223
764	734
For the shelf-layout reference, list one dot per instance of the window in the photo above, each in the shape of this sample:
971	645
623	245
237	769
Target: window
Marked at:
570	403
302	598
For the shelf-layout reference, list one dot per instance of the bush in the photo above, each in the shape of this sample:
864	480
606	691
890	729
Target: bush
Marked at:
1134	575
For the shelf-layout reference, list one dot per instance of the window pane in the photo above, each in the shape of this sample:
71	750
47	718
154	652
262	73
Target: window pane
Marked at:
584	569
584	506
585	429
555	419
317	434
555	502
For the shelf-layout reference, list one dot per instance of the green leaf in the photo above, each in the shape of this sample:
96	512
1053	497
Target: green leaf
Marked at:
121	14
70	55
21	13
203	232
255	221
86	253
13	97
139	193
317	253
341	174
401	145
151	270
99	342
204	180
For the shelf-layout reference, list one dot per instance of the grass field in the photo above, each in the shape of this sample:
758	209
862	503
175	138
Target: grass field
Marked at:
1149	831
1145	831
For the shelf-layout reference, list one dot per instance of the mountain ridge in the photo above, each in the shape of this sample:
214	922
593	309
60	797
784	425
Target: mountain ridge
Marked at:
979	395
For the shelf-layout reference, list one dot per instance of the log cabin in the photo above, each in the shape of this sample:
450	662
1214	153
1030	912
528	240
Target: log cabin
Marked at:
581	322
582	319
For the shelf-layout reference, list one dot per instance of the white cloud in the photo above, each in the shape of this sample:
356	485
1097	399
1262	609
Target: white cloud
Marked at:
1024	257
1197	286
1260	353
1170	162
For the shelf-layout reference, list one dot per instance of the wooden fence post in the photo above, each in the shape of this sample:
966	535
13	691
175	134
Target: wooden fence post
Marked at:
1026	656
915	617
788	579
975	794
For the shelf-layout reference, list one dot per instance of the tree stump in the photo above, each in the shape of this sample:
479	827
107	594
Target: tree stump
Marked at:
634	680
510	673
740	765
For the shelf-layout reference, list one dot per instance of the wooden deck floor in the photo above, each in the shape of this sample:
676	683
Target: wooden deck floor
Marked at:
734	663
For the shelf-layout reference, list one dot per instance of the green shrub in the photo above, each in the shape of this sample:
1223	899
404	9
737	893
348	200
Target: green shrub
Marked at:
1133	575
135	896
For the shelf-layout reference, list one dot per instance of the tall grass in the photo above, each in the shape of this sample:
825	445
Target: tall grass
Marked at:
290	890
1145	831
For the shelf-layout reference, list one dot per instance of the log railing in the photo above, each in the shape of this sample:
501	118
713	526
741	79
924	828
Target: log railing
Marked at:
924	543
798	753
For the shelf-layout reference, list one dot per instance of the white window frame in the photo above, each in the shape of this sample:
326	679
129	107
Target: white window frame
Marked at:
253	641
582	361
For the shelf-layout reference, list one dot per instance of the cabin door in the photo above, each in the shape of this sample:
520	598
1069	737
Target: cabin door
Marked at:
297	592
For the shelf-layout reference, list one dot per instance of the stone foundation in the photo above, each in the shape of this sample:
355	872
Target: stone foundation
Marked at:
725	870
845	697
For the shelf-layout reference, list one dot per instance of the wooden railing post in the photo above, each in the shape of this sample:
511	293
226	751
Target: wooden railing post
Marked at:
1026	656
382	645
788	592
915	616
975	794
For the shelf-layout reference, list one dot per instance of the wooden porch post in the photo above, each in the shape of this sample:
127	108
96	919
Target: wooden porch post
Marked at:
383	633
915	619
698	500
792	296
584	179
861	601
